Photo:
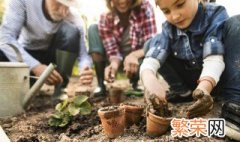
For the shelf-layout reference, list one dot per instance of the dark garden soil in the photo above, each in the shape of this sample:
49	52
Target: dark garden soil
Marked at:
32	126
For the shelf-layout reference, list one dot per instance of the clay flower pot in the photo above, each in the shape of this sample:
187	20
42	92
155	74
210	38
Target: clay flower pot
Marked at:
115	95
133	113
156	125
113	120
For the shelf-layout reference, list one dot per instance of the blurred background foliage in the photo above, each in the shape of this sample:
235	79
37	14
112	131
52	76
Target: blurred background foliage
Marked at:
1	9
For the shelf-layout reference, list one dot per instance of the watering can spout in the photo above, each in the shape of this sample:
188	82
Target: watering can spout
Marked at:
37	85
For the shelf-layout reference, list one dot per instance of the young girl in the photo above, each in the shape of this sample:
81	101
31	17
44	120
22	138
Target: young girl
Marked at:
195	46
119	37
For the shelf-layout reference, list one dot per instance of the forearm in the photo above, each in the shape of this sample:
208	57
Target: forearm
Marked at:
84	59
146	75
212	69
27	58
138	53
148	69
206	83
150	64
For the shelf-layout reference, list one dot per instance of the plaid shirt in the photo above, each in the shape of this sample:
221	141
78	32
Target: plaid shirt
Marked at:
142	27
201	39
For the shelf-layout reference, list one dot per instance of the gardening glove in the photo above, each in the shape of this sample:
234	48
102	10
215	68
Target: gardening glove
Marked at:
131	65
86	76
111	70
203	104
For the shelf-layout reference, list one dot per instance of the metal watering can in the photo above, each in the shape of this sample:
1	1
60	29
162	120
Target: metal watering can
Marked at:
15	91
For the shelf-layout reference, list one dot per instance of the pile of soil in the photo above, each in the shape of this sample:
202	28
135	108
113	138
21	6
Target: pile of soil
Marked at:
32	126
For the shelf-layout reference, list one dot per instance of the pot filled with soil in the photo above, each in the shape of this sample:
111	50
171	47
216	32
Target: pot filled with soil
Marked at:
83	90
113	120
133	113
158	119
115	93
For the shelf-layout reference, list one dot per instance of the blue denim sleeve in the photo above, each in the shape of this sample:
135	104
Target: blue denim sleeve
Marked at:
157	47
213	37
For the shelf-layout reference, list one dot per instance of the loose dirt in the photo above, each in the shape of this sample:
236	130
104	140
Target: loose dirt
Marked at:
32	126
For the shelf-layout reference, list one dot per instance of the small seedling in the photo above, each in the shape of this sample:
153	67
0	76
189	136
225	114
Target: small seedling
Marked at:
65	110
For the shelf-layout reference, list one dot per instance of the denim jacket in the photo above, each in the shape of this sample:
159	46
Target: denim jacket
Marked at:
201	39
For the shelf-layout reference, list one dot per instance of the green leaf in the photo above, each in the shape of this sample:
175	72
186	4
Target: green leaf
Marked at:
54	122
59	122
66	119
85	108
78	100
61	106
57	115
73	109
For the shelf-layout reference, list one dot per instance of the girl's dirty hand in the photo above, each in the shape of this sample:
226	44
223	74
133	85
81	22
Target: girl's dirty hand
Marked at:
203	104
153	88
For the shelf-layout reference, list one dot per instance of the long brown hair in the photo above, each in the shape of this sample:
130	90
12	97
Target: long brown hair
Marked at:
135	3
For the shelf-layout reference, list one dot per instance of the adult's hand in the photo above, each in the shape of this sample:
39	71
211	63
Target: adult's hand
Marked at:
53	79
86	76
111	70
203	104
131	65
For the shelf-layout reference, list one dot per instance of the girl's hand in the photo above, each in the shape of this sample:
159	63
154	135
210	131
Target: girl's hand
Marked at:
153	88
203	104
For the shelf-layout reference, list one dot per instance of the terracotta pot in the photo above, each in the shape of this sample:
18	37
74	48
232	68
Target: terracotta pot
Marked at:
156	125
133	113
115	95
113	120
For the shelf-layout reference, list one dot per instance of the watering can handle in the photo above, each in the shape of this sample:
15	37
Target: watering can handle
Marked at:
19	56
37	85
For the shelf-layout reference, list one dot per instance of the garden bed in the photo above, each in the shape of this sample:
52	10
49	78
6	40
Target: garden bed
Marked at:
32	126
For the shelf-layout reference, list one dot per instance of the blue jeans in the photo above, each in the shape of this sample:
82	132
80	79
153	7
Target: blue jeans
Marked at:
95	41
182	75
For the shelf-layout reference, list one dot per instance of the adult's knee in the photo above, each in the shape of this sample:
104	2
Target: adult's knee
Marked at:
95	41
93	30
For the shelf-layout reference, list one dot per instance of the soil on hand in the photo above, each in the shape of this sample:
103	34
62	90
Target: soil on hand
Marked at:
161	109
32	126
